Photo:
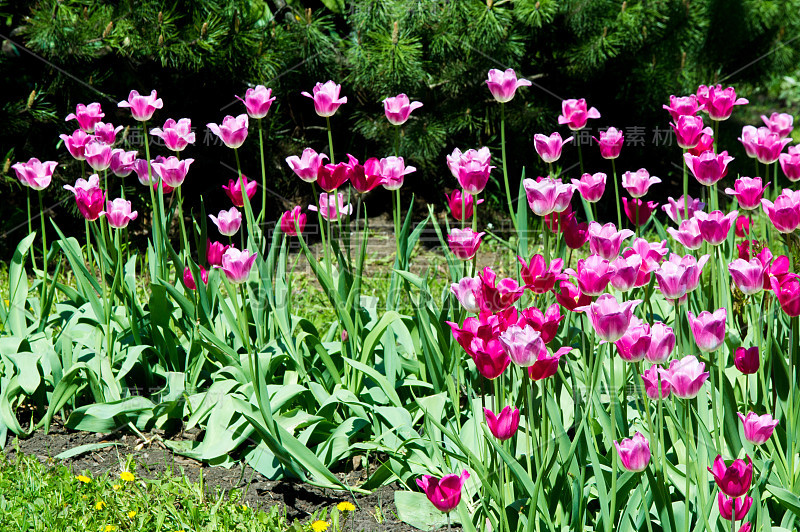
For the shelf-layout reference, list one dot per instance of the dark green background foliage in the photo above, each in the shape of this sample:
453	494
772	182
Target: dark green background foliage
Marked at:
625	58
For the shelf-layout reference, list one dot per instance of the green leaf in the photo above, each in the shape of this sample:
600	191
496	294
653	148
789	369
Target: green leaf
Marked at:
107	417
18	288
415	509
80	449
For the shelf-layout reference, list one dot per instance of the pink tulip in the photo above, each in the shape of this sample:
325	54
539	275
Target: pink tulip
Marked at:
76	143
118	213
307	166
232	131
557	221
326	98
734	509
503	425
708	167
605	240
662	343
790	163
522	344
747	527
98	155
234	190
331	208
574	113
591	186
708	329
748	191
652	253
706	143
461	204
626	272
634	453
257	101
693	265
748	140
398	108
634	344
689	131
489	357
35	173
733	480
637	183
673	279
547	195
571	298
715	226
503	85
468	293
142	107
188	278
547	364
609	317
106	133
747	360
143	169
780	123
293	222
787	290
576	234
227	222
637	211
784	213
610	143
719	102
743	249
748	276
538	276
683	106
89	197
592	274
214	252
171	170
393	172
364	177
498	295
688	234
549	148
685	377
757	429
471	169
651	378
444	493
236	265
121	164
176	135
87	116
742	226
768	145
545	323
464	243
676	209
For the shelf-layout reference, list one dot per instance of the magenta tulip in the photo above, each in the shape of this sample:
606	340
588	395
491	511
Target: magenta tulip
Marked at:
171	170
76	143
683	106
673	279
757	429
232	131
708	167
188	278
574	113
718	102
393	172
766	144
176	135
685	377
637	183
748	276
547	364
444	493
638	211
471	169
546	323
708	329
227	222
547	195
498	295
610	143
503	425
676	209
549	148
626	272
503	85
331	207
735	508
634	344
688	234
98	155
571	298
784	213
87	116
214	252
293	222
122	161
634	453
790	163
236	265
576	234
748	191
609	317
89	197
780	123
306	166
35	173
747	360
591	186
787	290
468	293
715	226
464	243
605	240
461	204
592	274
326	98
106	133
689	131
733	480
539	276
651	378
118	213
522	344
706	143
398	108
257	101
142	107
234	190
662	343
364	177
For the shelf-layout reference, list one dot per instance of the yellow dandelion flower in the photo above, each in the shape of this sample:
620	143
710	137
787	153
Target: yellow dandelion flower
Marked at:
109	528
132	514
319	526
345	506
99	505
244	508
84	479
127	476
115	487
84	496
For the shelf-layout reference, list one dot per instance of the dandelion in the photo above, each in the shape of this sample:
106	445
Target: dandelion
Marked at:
319	526
84	479
99	505
345	506
132	514
115	487
110	528
127	476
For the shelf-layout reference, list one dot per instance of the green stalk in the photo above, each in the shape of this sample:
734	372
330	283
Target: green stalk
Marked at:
262	214
616	194
614	460
505	168
30	225
157	228
44	246
686	518
248	210
685	190
185	242
330	138
644	504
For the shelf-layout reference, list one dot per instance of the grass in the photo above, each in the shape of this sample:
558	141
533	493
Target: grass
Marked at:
36	496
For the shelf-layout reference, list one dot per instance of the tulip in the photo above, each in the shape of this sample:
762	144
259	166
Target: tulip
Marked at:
461	204
188	278
293	222
609	317
503	85
106	133
546	365
471	169
214	252
706	143
747	360
787	290
719	102
172	170
232	131
733	480
626	272
489	357
743	249
708	329
538	276
257	100
777	268
715	226
522	344
464	243
176	135
708	167
89	197
122	161
326	98
768	145
307	166
575	114
780	123
652	253
748	276
398	108
757	429
688	234
662	343
444	493
683	106
685	377
673	279
637	211
748	191
332	176
634	453
733	509
227	222
393	172
651	379
497	296
634	344
676	209
605	240
364	177
637	183
76	143
748	140
747	527
503	425
545	323
592	274
571	298
98	155
549	148
576	234
742	226
784	213
143	169
35	173
87	116
236	265
142	107
693	265
467	292
234	190
556	221
591	186
547	195
689	131
610	143
790	163
331	208
118	213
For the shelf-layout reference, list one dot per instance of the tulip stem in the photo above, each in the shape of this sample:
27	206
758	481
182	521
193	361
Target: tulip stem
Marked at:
645	506
616	194
505	168
330	138
263	213
686	514
685	191
183	224
614	461
155	221
44	246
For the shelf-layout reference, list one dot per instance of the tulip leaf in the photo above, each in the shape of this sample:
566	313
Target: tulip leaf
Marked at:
415	509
